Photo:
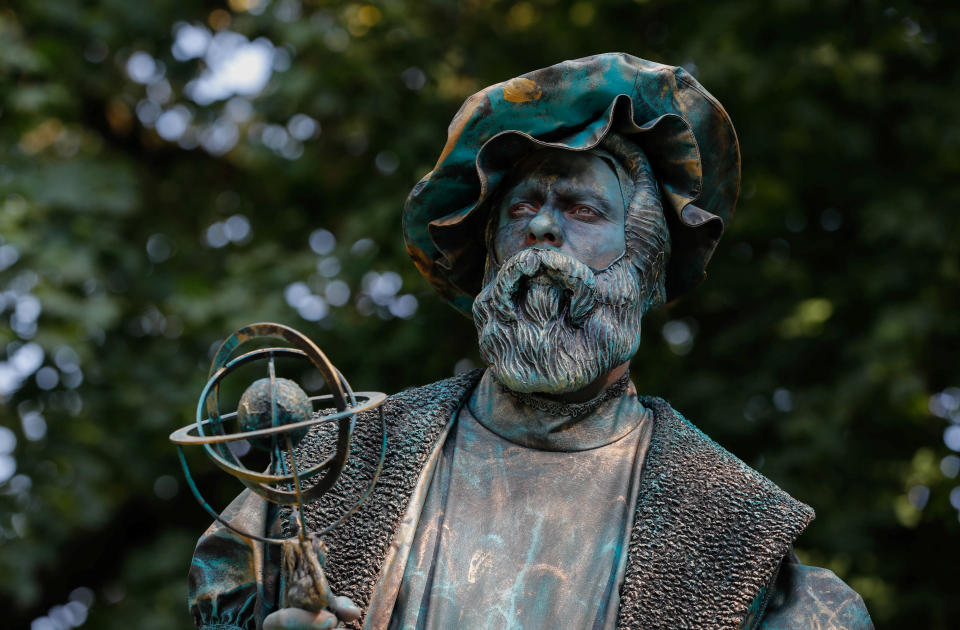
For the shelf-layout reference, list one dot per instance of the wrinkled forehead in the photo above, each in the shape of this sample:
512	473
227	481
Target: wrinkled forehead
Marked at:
561	163
567	172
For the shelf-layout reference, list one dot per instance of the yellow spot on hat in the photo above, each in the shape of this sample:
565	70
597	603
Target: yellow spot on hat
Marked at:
521	90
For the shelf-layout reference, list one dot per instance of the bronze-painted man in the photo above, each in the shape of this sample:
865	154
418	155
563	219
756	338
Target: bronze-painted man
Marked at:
544	492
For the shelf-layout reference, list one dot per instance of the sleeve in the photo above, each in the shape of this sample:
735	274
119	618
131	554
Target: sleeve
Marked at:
811	597
233	580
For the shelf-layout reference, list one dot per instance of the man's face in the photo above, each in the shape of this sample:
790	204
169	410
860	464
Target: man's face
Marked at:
565	305
566	200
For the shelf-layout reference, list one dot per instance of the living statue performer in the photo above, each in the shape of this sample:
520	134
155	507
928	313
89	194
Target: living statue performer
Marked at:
543	492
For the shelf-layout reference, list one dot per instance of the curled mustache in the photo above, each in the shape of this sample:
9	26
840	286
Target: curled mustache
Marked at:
569	274
584	288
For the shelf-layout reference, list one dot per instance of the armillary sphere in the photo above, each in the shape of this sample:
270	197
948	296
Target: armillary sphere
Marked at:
273	415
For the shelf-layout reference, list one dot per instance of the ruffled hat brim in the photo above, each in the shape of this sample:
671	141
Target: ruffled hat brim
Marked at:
685	133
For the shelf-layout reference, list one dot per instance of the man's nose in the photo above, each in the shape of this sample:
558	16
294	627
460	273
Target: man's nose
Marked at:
545	228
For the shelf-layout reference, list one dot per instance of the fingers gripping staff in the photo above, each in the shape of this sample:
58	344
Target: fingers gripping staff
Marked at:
273	415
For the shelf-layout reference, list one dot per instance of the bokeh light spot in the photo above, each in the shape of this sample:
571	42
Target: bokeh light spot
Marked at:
141	67
951	437
950	466
322	241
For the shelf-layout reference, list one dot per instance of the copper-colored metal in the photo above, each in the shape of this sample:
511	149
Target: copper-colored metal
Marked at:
209	432
187	436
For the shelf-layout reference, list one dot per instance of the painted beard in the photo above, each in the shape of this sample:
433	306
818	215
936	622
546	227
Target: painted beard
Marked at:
548	323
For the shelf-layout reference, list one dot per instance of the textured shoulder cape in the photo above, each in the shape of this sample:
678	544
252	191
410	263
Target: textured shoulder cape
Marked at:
707	539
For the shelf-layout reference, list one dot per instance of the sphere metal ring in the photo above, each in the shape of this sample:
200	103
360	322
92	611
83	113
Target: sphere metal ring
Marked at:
342	397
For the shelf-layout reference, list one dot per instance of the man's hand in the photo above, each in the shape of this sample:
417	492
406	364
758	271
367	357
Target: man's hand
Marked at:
341	610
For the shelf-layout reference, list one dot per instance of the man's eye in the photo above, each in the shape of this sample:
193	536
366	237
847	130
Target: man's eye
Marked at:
584	212
522	209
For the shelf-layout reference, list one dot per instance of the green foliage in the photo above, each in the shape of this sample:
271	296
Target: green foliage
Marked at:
821	349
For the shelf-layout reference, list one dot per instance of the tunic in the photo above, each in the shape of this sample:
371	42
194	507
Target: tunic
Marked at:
516	536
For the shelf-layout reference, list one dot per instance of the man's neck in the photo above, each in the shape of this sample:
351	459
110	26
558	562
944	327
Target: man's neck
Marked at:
593	389
550	424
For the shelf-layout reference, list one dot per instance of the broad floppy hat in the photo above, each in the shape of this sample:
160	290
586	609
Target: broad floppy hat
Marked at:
684	131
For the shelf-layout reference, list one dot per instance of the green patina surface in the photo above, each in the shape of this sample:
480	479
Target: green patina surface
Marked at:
731	572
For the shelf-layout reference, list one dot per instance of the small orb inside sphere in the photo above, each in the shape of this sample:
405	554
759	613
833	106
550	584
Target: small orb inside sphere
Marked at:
255	410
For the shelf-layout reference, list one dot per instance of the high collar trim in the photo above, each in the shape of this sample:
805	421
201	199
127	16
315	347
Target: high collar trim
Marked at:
550	425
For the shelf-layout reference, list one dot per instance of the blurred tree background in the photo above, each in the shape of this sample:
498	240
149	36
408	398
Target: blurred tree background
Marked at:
170	171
